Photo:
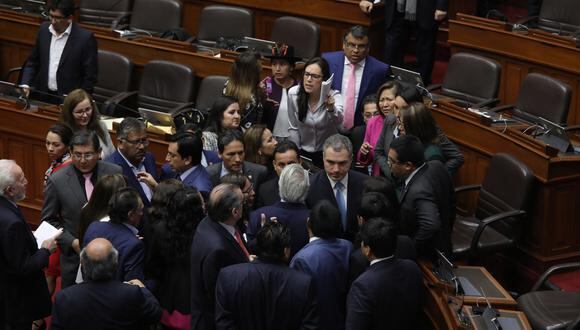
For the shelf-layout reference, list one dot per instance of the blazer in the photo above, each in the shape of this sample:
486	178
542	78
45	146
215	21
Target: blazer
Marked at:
256	172
292	215
387	296
265	295
212	249
24	295
131	248
268	193
104	305
78	64
428	209
375	73
64	199
425	12
320	188
150	167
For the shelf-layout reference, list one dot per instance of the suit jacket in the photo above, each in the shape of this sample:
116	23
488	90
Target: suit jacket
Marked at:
292	215
150	167
104	305
268	193
257	173
78	64
212	249
375	73
425	12
64	199
286	298
327	261
387	296
428	209
320	188
24	295
211	158
131	248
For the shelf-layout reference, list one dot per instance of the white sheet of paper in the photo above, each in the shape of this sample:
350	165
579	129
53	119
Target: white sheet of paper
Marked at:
44	232
325	90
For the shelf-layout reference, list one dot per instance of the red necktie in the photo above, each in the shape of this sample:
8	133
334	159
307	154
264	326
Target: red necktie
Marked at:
239	240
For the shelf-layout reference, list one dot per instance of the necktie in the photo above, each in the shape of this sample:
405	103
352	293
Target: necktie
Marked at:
88	185
340	202
239	240
349	105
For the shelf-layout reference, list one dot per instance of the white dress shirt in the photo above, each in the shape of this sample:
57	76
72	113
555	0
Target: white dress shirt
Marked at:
136	170
57	44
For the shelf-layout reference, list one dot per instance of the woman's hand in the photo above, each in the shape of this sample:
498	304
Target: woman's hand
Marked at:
330	103
365	148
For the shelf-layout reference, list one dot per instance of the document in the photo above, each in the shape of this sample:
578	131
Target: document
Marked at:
325	90
44	232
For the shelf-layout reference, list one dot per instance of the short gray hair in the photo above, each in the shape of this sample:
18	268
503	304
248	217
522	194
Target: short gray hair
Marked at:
6	174
129	125
294	183
337	142
103	269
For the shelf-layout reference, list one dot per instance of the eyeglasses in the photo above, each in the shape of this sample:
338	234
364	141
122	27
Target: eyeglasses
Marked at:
80	112
350	45
87	155
144	142
312	75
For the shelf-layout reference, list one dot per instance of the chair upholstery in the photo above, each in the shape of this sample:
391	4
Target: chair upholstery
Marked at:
224	21
543	96
166	86
560	16
301	33
210	88
115	74
471	78
103	12
503	198
156	16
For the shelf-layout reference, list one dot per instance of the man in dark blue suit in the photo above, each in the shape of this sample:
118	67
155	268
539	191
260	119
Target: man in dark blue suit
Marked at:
389	294
24	295
132	156
369	72
337	180
102	302
216	244
266	294
290	211
65	55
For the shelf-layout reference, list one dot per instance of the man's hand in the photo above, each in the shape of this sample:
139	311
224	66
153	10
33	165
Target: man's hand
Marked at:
440	15
136	282
26	90
147	178
366	6
49	244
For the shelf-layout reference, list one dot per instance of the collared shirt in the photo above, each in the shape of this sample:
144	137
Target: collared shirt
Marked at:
224	171
408	179
57	44
203	160
187	172
131	228
230	229
360	66
381	259
344	191
141	168
313	238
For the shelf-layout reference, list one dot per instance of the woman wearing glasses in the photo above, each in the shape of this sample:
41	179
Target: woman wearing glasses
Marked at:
313	117
79	112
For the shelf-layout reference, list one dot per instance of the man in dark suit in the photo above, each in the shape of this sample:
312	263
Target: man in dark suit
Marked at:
24	295
101	302
133	157
216	244
286	296
121	230
67	191
289	211
231	151
285	153
369	73
422	16
338	180
389	294
65	55
427	196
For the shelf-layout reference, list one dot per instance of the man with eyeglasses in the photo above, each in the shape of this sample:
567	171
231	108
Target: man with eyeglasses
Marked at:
67	191
137	163
64	57
356	74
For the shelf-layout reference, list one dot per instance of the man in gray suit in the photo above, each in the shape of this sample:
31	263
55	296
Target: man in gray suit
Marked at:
67	191
231	151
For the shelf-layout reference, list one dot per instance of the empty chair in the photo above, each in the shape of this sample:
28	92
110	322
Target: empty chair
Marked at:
560	16
472	79
115	73
210	88
301	33
156	16
104	12
503	198
224	21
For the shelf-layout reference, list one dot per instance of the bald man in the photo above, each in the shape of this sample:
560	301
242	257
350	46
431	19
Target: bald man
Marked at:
101	302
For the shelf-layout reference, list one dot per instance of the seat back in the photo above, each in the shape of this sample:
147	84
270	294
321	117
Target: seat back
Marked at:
165	85
103	12
544	96
115	73
507	186
225	21
210	88
301	33
560	16
471	78
156	16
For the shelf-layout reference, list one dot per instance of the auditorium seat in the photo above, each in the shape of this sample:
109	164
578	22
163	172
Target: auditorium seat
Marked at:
224	21
501	208
156	16
210	88
301	33
115	74
559	16
108	13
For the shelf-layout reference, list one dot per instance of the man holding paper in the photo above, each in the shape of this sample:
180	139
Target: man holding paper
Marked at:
24	295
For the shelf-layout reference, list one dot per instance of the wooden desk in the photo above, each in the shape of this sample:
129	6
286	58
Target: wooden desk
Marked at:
478	323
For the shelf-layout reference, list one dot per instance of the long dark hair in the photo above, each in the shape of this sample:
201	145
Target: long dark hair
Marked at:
185	211
302	95
216	114
418	121
163	193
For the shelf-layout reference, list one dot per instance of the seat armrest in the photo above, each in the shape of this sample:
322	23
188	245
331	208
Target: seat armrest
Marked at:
502	108
488	221
12	71
572	128
126	101
467	188
490	102
527	20
554	269
434	87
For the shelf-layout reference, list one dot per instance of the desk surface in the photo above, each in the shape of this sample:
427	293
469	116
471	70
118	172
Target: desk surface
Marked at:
519	318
